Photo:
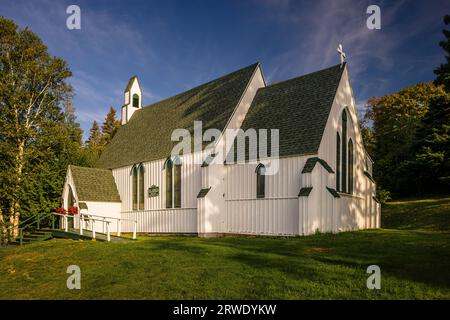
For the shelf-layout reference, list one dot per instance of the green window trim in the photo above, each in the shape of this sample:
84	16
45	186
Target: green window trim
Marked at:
344	152
173	182
260	181
177	186
338	162
136	100
137	185
350	166
168	167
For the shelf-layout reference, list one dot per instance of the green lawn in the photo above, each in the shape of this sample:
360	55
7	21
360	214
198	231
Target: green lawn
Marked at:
415	264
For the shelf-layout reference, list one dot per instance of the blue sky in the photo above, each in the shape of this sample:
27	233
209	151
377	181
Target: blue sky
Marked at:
175	45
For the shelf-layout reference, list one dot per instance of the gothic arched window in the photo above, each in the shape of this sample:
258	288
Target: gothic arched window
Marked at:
137	185
135	100
173	182
344	151
134	184
177	185
168	167
260	181
338	162
350	166
141	187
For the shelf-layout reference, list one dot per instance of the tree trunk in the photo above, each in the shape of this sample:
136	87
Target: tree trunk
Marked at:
14	218
3	229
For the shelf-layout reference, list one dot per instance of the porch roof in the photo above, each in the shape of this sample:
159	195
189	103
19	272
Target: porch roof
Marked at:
93	184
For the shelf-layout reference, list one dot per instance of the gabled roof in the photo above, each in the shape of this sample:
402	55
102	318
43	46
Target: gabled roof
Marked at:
305	191
147	136
299	108
311	163
130	83
203	192
92	184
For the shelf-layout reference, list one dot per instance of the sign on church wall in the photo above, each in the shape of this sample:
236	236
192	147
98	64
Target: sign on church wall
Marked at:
153	191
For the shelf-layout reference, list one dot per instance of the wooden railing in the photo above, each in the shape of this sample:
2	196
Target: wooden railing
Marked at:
104	219
36	220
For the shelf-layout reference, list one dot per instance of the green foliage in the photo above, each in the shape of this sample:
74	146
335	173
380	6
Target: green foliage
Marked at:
396	119
100	137
39	136
433	147
383	195
443	71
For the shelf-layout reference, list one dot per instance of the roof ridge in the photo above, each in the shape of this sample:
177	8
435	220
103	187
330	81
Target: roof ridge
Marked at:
254	65
304	75
93	168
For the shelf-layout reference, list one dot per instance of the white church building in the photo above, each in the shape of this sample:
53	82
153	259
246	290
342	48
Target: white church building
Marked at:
323	182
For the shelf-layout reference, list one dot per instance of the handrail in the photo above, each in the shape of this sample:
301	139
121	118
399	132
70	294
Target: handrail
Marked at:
93	215
37	221
119	226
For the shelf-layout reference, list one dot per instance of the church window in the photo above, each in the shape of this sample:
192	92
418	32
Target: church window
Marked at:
344	152
173	183
135	100
338	162
260	181
350	166
137	187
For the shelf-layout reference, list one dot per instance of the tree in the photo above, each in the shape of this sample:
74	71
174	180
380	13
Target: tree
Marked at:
443	71
396	119
109	127
94	140
32	88
433	146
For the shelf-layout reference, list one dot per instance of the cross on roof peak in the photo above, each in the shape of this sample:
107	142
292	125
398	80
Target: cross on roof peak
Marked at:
341	54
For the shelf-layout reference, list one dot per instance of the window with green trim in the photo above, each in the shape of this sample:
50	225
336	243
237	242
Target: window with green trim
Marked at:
169	194
177	185
338	162
344	152
137	185
350	166
136	100
260	181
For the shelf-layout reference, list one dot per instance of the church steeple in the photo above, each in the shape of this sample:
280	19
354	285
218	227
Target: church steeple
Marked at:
133	99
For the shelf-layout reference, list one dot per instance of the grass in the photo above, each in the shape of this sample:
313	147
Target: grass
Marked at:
425	214
414	259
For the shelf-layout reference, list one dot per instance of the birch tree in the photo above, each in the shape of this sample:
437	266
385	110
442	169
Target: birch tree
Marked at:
33	88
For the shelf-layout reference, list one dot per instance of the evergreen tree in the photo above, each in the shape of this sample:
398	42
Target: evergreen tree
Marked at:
110	126
443	71
94	136
396	119
433	147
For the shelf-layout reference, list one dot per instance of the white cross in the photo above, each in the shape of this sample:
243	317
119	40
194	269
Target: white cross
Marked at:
341	53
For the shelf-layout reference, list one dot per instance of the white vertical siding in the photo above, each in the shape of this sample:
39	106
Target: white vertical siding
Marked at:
357	206
155	217
278	212
175	220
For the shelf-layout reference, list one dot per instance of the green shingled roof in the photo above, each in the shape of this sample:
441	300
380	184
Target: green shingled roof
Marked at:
203	192
299	108
305	191
92	184
147	135
311	163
